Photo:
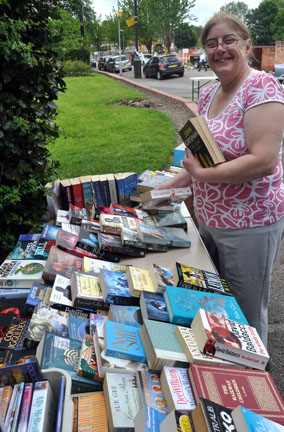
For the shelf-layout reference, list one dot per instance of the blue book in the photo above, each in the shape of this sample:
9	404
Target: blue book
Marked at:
39	294
153	306
115	289
129	315
149	418
78	327
182	305
246	420
60	405
123	341
126	184
97	190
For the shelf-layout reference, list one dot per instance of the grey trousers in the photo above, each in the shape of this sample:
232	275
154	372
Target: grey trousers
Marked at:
245	257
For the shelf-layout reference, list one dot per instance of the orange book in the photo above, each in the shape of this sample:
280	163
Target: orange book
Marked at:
5	399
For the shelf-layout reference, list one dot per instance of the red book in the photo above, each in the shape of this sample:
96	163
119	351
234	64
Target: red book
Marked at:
231	387
77	192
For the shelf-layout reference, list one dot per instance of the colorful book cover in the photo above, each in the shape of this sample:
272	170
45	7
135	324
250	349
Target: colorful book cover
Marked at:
153	307
113	243
176	385
87	365
29	370
90	412
85	290
61	291
231	387
246	420
60	262
78	327
150	391
129	315
25	248
46	318
174	219
163	276
213	416
77	192
126	184
94	266
18	403
38	294
5	399
59	416
97	324
149	419
9	308
15	333
120	210
182	305
229	340
123	341
43	409
113	284
198	279
64	353
122	400
87	241
11	408
49	232
25	408
21	273
97	190
87	189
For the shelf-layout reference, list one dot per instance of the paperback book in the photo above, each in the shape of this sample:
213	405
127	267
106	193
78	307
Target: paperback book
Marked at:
148	420
25	247
210	416
78	327
87	365
150	391
85	291
129	315
163	276
176	422
43	408
61	291
140	280
115	289
89	412
62	263
46	318
21	273
38	294
246	420
113	243
153	307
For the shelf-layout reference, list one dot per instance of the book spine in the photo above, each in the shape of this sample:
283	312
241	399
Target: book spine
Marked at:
87	189
125	250
78	195
98	192
11	408
105	192
90	304
120	191
25	408
128	356
60	408
17	407
126	301
112	190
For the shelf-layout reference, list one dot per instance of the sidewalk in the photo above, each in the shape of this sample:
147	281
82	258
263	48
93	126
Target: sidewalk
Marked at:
276	306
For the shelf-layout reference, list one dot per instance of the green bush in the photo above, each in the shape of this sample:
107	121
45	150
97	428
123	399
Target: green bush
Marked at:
76	68
30	81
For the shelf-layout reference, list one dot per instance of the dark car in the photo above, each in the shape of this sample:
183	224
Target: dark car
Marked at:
113	64
102	63
163	65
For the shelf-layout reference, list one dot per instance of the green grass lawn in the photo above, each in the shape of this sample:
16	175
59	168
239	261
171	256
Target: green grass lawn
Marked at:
98	137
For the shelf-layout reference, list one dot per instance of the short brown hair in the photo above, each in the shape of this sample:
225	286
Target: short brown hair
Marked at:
228	18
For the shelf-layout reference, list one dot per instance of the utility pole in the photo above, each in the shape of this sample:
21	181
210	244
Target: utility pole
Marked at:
119	46
136	25
82	33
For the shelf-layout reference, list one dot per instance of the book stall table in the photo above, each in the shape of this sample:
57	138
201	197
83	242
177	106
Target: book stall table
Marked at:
197	83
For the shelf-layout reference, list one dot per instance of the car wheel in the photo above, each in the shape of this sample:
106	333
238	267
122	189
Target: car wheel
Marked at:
159	75
181	74
196	63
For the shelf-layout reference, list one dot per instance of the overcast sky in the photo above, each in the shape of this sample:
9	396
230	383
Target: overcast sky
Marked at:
203	10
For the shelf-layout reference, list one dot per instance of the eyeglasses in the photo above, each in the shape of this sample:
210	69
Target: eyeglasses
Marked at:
227	41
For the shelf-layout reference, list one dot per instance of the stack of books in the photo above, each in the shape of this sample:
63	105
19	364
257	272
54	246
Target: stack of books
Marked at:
88	342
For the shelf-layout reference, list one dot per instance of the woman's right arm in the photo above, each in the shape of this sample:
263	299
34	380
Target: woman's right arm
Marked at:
182	179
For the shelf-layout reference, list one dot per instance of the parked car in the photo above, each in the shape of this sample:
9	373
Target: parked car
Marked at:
163	65
113	64
278	72
102	63
144	58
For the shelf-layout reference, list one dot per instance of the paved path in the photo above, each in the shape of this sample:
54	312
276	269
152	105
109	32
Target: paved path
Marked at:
276	309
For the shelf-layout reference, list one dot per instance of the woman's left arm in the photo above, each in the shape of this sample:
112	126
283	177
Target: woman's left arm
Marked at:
263	128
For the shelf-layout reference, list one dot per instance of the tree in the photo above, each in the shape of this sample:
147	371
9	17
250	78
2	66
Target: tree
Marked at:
69	28
31	79
186	36
277	27
259	21
239	8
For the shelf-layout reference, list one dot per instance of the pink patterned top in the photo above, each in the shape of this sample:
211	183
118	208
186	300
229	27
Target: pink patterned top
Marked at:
252	203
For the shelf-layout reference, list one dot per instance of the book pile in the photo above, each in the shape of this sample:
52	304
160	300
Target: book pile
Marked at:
88	343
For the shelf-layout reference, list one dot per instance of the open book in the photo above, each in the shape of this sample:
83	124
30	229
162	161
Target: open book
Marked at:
197	137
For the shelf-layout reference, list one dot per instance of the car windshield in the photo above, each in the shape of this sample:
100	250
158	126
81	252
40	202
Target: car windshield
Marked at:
168	59
122	58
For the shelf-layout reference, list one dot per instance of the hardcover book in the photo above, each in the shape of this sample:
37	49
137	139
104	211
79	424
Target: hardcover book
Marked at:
231	387
229	340
45	318
194	355
148	420
209	416
85	290
150	391
246	420
176	422
87	365
161	345
43	408
115	289
177	388
153	307
62	263
61	291
129	315
112	243
38	294
122	401
140	280
21	273
197	136
90	412
182	305
191	277
64	353
123	341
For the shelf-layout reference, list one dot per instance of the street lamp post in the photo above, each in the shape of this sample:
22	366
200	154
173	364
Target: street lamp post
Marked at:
119	48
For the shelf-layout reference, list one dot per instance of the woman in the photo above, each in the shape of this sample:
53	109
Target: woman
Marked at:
239	204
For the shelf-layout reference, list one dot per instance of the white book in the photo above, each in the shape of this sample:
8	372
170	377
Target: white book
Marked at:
61	291
43	409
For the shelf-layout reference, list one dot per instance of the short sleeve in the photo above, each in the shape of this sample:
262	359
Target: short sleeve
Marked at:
261	89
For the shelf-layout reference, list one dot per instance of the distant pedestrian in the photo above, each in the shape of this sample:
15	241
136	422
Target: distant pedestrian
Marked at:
203	62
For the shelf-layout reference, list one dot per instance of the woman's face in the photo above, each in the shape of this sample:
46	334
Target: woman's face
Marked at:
228	61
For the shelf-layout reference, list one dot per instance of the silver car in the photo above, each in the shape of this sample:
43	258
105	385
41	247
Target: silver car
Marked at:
278	72
113	64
